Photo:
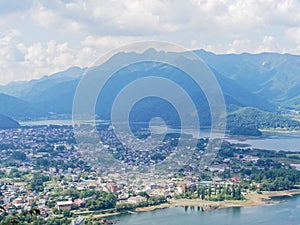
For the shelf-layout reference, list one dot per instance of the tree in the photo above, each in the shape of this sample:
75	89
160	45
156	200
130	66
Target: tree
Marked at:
144	194
14	173
209	191
202	193
238	193
37	182
102	201
18	155
233	194
198	192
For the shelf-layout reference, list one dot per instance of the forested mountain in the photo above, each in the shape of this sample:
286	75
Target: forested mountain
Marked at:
267	82
275	77
18	108
247	121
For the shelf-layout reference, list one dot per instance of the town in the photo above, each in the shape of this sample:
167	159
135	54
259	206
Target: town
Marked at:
43	168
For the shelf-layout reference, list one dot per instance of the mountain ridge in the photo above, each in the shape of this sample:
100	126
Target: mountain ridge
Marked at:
54	93
273	76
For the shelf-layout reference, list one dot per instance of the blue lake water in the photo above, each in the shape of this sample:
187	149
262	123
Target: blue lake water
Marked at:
274	141
45	122
285	213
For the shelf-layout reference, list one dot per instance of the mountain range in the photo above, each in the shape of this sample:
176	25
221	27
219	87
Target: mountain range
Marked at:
274	77
268	81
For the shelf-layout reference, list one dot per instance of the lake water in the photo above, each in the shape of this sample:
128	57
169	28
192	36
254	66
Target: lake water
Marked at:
274	141
45	122
285	213
285	141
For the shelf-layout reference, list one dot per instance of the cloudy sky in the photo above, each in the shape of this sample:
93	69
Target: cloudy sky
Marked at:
42	37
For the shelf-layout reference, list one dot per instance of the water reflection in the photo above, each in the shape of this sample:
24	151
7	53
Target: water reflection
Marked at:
287	212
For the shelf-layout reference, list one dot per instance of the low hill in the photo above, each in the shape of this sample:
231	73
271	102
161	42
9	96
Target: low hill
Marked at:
8	123
247	121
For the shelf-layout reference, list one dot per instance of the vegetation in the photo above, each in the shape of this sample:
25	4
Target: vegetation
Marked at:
102	200
154	200
37	183
245	131
247	121
275	179
213	193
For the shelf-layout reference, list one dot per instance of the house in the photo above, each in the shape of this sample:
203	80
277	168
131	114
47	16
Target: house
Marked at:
250	158
136	199
79	202
154	186
18	200
185	187
112	187
217	179
64	205
30	200
236	179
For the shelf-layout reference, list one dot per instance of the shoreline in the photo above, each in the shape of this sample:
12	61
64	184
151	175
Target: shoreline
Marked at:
283	131
252	199
265	133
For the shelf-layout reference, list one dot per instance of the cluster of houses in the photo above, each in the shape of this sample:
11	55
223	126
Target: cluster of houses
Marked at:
56	144
15	197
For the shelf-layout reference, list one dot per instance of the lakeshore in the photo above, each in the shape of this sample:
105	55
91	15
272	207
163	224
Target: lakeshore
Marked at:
252	199
287	212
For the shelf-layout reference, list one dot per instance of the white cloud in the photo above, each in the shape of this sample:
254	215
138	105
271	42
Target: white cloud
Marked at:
106	43
45	17
8	37
268	44
236	46
41	37
293	34
10	55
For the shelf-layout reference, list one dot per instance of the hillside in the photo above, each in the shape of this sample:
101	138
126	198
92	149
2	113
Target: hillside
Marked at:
234	94
18	108
274	77
8	123
245	80
55	93
247	121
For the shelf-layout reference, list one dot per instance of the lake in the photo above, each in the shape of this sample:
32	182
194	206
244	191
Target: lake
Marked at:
285	141
45	122
274	141
285	213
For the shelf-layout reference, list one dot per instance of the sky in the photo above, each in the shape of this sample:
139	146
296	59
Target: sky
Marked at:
40	37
